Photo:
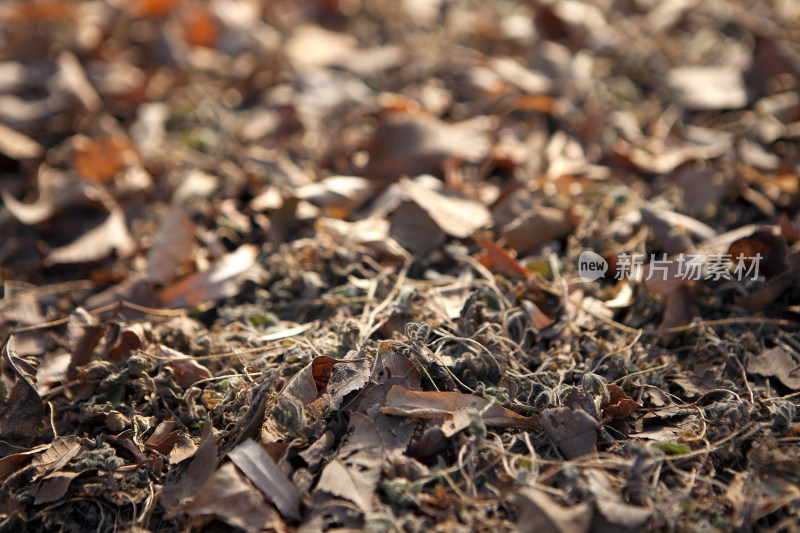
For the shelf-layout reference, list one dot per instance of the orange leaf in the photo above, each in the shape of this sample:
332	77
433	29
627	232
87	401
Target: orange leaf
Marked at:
200	27
499	261
619	404
100	159
42	10
154	8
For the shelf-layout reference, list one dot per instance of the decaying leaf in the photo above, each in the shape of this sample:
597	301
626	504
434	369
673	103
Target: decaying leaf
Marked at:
708	87
22	411
776	362
200	470
111	235
619	404
611	505
187	370
354	473
259	467
572	430
221	280
171	248
430	404
227	496
539	513
414	145
454	214
84	334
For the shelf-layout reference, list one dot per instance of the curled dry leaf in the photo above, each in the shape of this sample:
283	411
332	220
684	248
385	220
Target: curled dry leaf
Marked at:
259	467
22	412
708	87
221	280
200	470
431	404
455	214
84	334
127	340
172	246
187	370
229	497
410	146
776	362
354	473
539	513
18	146
97	243
619	404
611	505
572	430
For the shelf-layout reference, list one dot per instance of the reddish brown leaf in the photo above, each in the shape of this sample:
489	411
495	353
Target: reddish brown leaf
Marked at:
499	261
200	27
100	159
620	404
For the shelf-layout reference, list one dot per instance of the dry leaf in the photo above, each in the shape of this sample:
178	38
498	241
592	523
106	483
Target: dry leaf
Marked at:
717	87
456	215
163	438
183	449
572	430
200	470
415	145
100	159
22	412
313	45
54	486
84	334
347	192
200	26
227	496
302	385
221	280
73	78
259	467
354	473
371	233
154	8
128	339
499	261
172	246
611	505
535	227
187	370
539	513
96	243
431	404
776	362
538	318
56	192
619	404
18	146
60	452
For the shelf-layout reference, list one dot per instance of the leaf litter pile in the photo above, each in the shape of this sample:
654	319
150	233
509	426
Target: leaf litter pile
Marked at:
399	266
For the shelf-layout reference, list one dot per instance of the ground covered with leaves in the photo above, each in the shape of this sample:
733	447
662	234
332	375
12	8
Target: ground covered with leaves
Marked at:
399	265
